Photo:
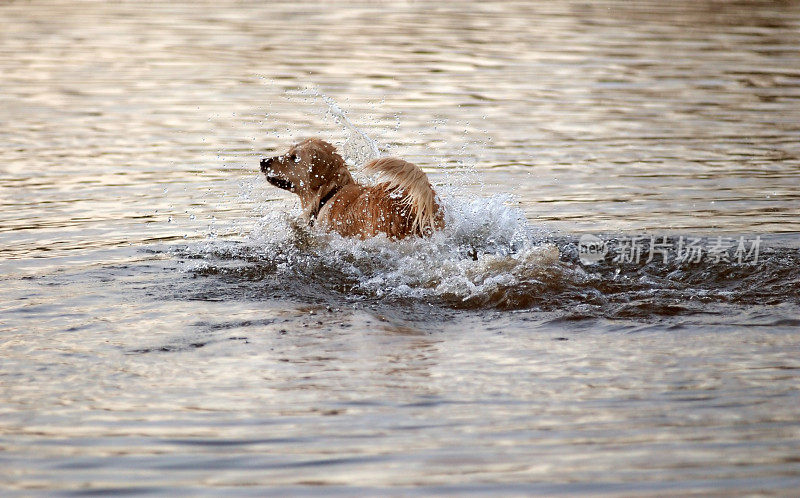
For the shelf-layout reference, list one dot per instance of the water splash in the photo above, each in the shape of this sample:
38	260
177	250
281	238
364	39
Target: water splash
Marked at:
486	246
358	148
489	256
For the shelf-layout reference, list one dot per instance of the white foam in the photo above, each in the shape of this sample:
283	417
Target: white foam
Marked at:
487	244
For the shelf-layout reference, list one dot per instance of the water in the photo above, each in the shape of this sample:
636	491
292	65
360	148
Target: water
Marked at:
166	325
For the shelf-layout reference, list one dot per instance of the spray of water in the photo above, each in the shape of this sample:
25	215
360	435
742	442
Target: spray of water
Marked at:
358	148
487	244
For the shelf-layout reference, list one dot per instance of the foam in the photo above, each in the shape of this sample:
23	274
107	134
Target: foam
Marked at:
487	244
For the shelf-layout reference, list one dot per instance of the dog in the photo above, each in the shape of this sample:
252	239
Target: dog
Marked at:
403	205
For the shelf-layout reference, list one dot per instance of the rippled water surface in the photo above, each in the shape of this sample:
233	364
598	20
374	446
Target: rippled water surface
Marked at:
167	325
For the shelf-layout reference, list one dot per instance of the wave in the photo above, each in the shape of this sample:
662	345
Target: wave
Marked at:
489	256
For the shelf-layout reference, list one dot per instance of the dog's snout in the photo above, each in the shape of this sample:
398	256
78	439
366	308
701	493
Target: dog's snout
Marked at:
265	164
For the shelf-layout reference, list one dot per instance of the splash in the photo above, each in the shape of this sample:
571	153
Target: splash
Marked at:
486	247
358	148
489	256
487	244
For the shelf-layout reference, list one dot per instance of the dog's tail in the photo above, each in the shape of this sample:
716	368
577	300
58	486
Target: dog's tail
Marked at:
419	196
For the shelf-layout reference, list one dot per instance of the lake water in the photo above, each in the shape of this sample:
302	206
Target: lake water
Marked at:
166	326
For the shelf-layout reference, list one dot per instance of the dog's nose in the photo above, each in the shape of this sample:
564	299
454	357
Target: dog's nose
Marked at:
265	164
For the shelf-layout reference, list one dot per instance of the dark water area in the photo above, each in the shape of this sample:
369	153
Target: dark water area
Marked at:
548	275
613	307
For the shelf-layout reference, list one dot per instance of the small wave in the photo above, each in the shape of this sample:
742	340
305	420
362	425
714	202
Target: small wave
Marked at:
489	256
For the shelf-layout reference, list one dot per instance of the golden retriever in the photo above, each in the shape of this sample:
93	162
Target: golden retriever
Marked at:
402	206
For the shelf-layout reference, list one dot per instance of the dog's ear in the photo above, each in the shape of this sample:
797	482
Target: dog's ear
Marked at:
327	166
327	173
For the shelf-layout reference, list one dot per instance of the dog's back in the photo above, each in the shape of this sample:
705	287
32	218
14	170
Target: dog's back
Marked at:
403	205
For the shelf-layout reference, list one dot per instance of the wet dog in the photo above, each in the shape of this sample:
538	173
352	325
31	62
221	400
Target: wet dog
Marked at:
403	205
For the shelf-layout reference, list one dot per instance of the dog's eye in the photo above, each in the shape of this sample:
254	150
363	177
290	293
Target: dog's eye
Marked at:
294	158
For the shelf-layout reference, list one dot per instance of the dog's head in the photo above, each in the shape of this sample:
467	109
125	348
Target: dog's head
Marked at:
311	169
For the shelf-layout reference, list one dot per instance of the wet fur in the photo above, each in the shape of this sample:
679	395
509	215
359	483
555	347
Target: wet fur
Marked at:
402	206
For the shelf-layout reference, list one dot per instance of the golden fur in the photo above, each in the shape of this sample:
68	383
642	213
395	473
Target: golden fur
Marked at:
402	206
